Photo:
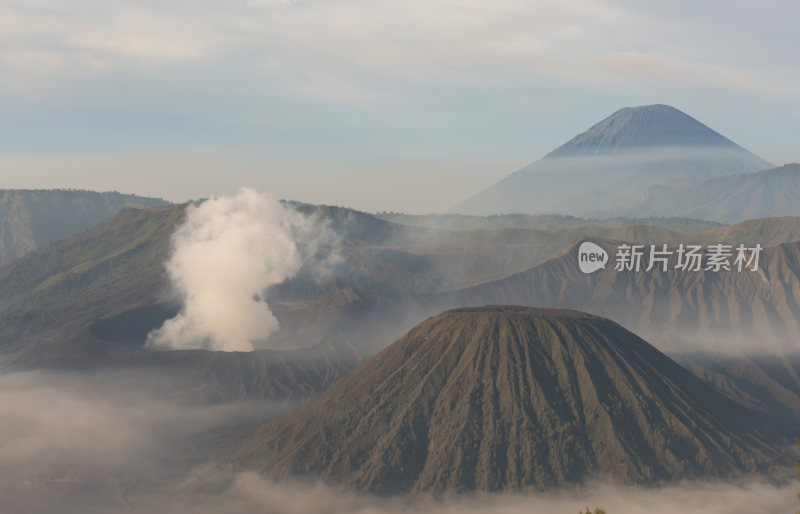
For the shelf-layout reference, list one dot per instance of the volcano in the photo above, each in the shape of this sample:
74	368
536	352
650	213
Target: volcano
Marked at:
501	398
605	170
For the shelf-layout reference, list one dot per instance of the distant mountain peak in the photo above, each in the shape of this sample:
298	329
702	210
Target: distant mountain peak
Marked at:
616	161
645	126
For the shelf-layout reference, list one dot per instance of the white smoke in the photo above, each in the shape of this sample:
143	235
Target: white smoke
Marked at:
226	254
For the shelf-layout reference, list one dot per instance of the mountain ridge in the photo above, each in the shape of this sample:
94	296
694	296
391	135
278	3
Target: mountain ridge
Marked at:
30	218
676	310
731	199
118	266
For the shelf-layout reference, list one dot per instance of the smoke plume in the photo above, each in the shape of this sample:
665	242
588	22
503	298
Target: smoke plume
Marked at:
225	255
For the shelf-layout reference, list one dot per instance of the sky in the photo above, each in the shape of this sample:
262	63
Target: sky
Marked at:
406	106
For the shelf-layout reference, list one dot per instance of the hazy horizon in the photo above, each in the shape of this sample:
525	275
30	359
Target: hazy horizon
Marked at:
411	107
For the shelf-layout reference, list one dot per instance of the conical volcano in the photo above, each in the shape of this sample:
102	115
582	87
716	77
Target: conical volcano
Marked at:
648	126
605	170
511	398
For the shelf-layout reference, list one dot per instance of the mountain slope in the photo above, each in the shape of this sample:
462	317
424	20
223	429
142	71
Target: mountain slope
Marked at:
62	286
118	266
774	192
537	222
30	218
613	162
508	398
675	310
769	383
189	375
678	311
642	127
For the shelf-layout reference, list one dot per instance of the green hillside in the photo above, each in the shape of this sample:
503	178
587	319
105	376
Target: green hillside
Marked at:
30	218
66	284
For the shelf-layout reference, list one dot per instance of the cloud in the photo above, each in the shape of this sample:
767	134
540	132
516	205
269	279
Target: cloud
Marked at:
147	37
33	61
340	83
139	43
438	41
270	2
701	498
76	443
224	257
664	68
88	442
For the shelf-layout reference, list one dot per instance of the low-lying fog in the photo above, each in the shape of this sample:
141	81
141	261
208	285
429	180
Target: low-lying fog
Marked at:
87	443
